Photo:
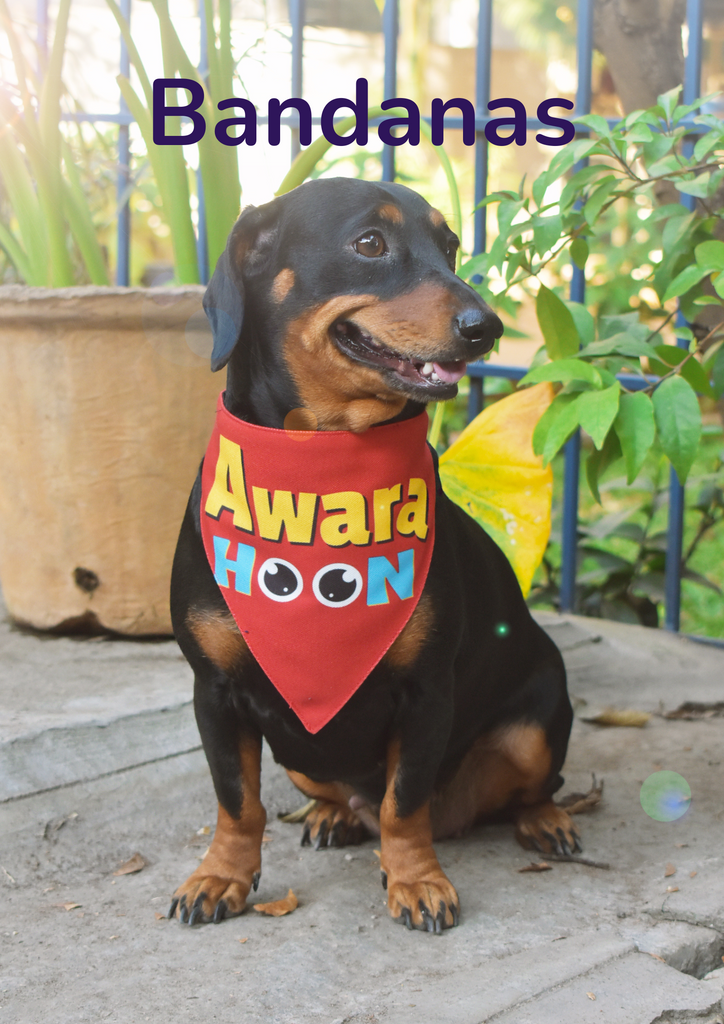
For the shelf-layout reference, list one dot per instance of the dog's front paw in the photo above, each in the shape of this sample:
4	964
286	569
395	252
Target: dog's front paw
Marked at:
203	898
547	829
330	824
429	905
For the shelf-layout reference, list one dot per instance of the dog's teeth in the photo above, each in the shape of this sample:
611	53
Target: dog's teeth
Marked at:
427	369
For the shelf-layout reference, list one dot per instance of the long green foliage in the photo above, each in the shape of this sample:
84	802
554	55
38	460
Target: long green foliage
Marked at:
218	164
41	182
644	151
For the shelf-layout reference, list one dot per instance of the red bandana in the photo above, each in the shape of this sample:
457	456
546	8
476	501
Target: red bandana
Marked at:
320	542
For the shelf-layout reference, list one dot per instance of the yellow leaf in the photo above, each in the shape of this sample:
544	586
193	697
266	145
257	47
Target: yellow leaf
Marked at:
492	473
279	907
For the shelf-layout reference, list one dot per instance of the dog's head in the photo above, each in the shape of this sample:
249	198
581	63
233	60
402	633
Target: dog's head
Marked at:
340	298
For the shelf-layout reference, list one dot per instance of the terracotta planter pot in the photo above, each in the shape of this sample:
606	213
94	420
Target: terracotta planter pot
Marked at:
106	405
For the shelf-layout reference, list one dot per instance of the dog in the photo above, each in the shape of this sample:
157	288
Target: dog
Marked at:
340	316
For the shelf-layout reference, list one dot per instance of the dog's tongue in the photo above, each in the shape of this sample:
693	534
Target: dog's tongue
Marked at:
451	372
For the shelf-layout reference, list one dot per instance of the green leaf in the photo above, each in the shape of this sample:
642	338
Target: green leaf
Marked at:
717	373
668	101
704	145
694	373
599	461
595	121
698	186
672	355
624	344
710	254
718	283
556	324
636	430
678	420
584	322
597	411
685	281
579	252
546	232
555	426
563	370
593	206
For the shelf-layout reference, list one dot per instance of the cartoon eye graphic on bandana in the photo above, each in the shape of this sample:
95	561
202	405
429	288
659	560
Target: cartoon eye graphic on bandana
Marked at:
337	585
280	580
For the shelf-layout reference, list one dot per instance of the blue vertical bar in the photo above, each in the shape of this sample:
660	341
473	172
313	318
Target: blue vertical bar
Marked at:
482	98
123	234
296	16
675	531
476	397
572	451
390	29
202	242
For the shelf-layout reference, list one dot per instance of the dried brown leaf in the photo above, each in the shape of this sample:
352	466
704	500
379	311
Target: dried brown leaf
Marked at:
159	917
670	870
68	906
536	866
620	716
672	888
242	941
136	863
692	874
591	996
691	710
579	803
657	957
279	907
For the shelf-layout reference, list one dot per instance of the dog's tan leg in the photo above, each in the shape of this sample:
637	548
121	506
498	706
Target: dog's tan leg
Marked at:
418	890
219	886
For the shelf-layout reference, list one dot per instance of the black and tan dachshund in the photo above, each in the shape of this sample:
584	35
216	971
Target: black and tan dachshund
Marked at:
337	308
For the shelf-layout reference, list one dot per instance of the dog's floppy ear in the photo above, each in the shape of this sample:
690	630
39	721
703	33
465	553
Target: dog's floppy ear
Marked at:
224	297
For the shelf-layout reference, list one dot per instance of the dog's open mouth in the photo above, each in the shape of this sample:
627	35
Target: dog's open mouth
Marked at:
435	377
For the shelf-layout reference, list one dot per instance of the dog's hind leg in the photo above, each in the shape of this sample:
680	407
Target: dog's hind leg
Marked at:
509	769
332	821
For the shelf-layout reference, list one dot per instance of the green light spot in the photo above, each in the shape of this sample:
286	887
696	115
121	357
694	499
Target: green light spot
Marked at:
502	629
665	796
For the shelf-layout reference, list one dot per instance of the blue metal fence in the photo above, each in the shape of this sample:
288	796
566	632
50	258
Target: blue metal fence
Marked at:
477	371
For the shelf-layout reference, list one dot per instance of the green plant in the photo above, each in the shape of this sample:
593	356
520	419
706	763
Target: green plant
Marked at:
644	151
622	554
218	164
49	236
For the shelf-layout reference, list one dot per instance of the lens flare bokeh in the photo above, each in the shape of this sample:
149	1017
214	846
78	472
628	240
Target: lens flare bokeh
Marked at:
666	796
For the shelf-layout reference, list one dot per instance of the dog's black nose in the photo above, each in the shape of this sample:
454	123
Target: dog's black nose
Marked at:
479	329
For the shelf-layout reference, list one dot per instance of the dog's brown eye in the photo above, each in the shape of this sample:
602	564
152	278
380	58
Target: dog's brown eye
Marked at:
371	245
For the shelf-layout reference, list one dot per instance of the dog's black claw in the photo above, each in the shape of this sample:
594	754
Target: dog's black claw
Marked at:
556	846
455	915
183	914
407	918
440	919
220	912
197	912
567	852
536	845
172	908
383	879
427	919
306	836
322	836
255	880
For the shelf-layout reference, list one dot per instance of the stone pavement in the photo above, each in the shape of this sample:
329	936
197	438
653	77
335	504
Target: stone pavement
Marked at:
99	759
